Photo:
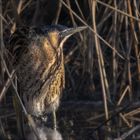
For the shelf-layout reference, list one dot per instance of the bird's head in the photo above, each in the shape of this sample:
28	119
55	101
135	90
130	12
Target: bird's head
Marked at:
48	40
57	35
54	38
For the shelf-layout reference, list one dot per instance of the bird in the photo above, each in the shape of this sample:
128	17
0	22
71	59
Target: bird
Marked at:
37	57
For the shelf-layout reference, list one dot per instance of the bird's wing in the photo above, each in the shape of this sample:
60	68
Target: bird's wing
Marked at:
18	43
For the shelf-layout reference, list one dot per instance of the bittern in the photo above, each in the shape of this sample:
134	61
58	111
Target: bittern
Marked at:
39	65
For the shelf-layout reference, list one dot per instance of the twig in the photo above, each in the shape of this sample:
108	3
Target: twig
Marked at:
130	132
6	85
92	30
58	12
119	11
123	95
17	11
99	60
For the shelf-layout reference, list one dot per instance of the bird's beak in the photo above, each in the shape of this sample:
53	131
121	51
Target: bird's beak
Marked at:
70	31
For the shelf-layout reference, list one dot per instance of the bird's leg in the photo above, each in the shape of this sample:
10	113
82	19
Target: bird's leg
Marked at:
54	120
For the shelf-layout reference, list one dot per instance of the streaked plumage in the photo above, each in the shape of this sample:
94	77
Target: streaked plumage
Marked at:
40	69
38	59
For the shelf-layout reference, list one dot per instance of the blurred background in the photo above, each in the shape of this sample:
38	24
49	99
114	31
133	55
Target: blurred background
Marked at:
101	100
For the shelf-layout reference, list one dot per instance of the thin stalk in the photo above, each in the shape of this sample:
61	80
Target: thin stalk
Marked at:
99	60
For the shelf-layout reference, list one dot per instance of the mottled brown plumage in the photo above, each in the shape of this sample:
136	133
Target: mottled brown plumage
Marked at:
39	64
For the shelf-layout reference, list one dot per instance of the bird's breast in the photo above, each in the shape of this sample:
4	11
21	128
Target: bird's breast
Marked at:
41	83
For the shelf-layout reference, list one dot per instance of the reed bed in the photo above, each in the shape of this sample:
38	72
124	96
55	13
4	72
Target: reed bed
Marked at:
101	100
